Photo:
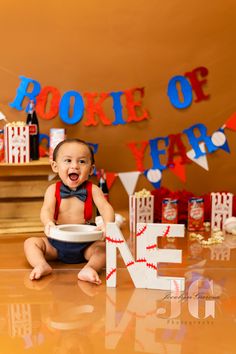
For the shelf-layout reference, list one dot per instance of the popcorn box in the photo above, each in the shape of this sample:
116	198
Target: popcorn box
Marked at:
16	143
141	209
169	211
195	214
1	145
56	136
221	209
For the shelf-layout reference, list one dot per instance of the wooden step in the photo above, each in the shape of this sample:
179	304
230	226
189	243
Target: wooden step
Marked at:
20	226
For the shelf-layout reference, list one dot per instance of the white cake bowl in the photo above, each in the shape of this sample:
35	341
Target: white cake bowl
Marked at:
75	233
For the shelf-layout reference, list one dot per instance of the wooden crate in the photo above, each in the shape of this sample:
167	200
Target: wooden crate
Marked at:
22	187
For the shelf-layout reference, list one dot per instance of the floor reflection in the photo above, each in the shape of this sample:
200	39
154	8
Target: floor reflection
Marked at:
59	314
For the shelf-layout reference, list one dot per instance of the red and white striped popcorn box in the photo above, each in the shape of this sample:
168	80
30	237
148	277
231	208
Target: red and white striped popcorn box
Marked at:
141	210
16	143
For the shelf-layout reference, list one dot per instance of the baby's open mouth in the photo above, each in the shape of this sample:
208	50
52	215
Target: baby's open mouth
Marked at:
73	176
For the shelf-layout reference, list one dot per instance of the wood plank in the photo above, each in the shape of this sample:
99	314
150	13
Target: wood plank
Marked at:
21	222
20	225
23	229
41	167
20	209
23	189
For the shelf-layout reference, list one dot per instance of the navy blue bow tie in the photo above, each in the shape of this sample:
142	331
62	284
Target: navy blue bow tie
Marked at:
66	192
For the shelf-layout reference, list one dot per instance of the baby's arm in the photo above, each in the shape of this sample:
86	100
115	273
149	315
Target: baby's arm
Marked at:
48	209
104	207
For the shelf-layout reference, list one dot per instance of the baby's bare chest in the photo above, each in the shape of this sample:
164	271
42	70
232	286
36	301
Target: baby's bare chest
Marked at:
71	211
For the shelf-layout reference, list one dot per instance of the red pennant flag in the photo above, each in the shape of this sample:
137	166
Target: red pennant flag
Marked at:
110	177
179	169
231	122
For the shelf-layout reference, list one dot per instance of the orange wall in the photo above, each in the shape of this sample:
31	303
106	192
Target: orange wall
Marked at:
104	46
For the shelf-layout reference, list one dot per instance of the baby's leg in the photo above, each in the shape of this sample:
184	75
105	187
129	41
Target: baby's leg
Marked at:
37	249
96	256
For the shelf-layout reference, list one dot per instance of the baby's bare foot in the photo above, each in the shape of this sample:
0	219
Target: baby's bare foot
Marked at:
40	271
90	275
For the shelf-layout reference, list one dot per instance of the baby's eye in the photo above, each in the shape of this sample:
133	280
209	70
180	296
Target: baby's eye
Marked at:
67	160
82	161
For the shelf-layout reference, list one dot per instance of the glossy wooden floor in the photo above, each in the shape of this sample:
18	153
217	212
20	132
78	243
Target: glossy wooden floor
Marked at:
60	315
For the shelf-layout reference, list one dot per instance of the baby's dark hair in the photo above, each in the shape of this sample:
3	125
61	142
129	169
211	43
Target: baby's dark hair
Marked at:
75	140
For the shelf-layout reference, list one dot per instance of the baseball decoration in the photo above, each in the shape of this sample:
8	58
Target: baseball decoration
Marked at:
144	269
221	209
230	225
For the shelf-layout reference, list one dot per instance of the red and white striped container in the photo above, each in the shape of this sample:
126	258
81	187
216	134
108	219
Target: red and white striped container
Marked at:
16	143
195	214
169	211
56	136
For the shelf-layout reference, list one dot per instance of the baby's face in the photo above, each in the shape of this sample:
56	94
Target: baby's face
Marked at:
73	164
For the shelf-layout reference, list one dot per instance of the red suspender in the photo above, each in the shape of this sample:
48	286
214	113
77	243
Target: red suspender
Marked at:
58	200
88	205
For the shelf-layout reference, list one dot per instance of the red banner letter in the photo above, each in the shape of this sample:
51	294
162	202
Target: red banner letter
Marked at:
132	105
138	153
41	102
175	139
197	84
93	108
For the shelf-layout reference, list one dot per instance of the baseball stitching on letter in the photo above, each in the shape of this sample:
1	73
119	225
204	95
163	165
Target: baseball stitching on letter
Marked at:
110	274
113	240
167	231
151	265
140	232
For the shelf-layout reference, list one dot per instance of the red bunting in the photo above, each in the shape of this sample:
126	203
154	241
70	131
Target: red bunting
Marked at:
110	178
179	169
175	139
138	153
231	122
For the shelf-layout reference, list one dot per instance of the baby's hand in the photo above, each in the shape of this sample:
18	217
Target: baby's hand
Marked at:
102	228
47	228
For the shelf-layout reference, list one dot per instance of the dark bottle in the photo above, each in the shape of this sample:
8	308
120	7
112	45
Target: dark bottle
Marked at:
32	122
103	185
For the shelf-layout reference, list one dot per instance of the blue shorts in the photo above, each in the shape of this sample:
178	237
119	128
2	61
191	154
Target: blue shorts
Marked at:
70	252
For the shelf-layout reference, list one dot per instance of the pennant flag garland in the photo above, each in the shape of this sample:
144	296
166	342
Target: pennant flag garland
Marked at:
110	178
202	160
2	117
179	169
219	139
231	122
154	176
129	180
